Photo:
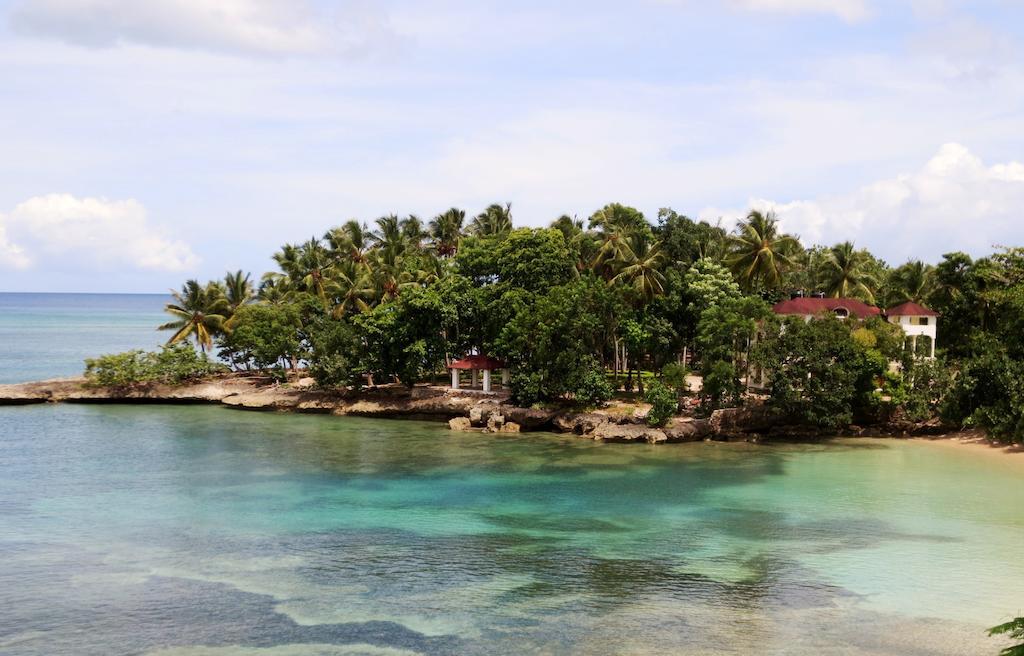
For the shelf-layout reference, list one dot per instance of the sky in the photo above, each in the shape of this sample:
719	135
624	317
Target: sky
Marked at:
143	143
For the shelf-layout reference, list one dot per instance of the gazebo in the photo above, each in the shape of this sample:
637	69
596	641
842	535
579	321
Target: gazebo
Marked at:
476	363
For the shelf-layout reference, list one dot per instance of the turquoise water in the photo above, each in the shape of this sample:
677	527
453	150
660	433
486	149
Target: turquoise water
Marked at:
48	335
204	530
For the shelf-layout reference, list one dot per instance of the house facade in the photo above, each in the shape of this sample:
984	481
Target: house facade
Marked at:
918	322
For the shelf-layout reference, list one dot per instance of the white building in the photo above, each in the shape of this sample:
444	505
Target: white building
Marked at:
918	322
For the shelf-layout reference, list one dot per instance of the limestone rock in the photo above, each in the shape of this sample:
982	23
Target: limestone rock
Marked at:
629	433
580	424
495	423
688	430
748	419
460	424
478	415
510	427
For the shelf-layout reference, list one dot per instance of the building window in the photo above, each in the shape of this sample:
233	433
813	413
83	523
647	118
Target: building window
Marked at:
842	313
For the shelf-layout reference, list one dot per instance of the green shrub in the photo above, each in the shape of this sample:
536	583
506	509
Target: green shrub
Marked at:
719	385
174	364
664	404
674	375
589	385
334	360
264	337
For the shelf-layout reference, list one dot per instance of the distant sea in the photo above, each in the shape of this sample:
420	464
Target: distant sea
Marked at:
49	335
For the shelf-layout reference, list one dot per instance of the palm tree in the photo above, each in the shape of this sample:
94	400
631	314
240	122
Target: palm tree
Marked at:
641	272
413	232
759	253
308	266
446	231
580	242
387	275
199	313
238	289
493	221
350	289
914	281
846	274
388	235
275	289
619	218
350	241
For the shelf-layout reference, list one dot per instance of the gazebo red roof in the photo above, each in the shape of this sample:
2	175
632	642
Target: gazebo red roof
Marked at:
477	362
813	306
910	309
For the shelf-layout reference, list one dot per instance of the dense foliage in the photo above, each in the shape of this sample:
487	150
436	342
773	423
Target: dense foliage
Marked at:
1014	630
586	307
173	364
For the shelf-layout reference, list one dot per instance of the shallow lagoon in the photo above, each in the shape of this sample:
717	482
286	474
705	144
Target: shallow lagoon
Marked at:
203	530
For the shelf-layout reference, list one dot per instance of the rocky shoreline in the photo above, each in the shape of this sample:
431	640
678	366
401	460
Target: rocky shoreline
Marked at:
462	409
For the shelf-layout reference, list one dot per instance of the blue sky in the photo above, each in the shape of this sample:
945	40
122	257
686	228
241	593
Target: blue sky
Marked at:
144	143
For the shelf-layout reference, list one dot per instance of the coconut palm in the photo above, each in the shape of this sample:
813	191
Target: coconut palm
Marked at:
913	281
350	289
641	272
275	289
496	220
388	234
199	312
350	241
845	273
618	218
387	275
413	232
238	289
446	231
308	266
580	242
759	252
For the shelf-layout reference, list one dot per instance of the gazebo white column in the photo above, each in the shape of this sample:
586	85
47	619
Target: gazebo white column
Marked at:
476	378
487	380
504	377
455	378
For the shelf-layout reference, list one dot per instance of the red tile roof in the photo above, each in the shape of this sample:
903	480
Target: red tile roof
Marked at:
910	309
477	362
813	306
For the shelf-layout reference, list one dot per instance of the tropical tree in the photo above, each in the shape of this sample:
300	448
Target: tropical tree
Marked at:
350	241
389	236
494	221
308	266
199	312
913	281
759	252
238	289
846	273
640	269
446	231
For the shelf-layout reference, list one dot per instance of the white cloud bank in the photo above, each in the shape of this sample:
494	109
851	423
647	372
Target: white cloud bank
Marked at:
261	27
93	232
955	202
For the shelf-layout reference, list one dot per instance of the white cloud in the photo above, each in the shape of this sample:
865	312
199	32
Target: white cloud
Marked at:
12	256
955	202
264	27
62	229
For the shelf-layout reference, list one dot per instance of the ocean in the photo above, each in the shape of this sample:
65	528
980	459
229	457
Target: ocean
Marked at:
50	335
208	531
